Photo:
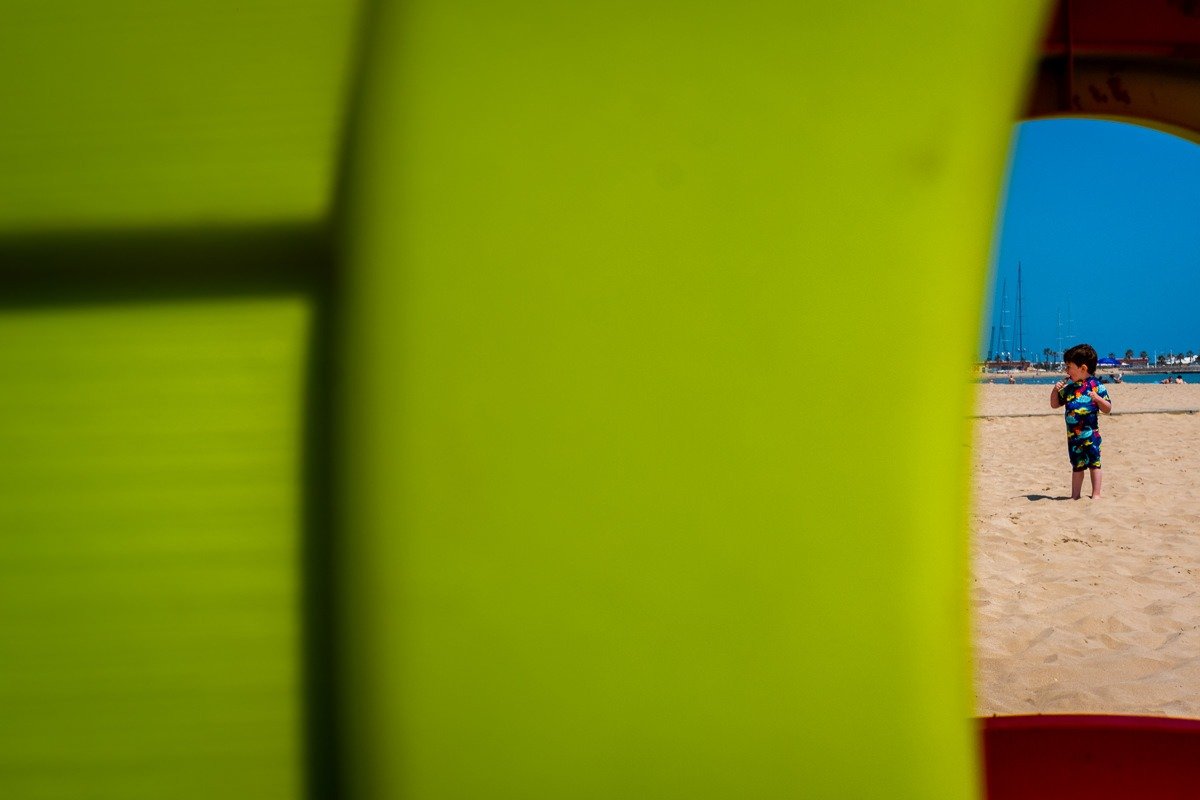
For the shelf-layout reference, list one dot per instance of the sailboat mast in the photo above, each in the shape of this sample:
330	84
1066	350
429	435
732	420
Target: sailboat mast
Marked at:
1005	353
1058	331
1020	318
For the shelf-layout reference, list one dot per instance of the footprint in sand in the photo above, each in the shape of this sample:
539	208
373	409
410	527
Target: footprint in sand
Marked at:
1174	637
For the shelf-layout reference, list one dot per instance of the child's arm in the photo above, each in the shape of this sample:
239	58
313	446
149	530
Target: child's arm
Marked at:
1056	397
1102	403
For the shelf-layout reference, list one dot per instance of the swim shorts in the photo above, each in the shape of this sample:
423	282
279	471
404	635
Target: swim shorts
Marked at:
1084	450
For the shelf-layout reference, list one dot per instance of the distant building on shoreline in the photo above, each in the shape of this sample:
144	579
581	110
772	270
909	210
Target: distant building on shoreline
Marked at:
997	365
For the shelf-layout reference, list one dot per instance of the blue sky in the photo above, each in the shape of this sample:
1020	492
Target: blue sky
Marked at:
1104	218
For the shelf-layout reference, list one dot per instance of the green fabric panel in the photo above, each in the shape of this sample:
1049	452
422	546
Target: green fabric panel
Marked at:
640	498
130	113
165	169
150	509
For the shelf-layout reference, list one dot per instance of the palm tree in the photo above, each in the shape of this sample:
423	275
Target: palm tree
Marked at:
1129	354
1144	355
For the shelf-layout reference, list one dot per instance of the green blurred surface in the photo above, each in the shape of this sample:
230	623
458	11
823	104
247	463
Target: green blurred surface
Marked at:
641	498
150	506
129	113
637	496
164	172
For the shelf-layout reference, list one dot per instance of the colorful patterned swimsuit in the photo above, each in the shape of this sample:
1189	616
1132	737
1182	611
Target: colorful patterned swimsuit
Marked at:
1083	423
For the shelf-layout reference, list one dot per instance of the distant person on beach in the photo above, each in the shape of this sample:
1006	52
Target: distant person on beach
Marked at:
1084	398
1179	379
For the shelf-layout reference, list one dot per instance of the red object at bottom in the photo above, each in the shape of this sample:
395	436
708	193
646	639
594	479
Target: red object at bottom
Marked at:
1094	757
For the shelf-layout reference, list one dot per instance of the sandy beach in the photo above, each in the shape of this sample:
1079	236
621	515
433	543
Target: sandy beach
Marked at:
1088	606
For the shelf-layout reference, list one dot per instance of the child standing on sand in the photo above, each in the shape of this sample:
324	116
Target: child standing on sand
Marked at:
1084	397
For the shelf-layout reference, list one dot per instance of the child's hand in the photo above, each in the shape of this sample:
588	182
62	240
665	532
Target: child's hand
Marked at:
1094	395
1058	387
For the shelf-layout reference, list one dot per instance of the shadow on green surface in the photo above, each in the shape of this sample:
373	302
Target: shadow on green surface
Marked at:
57	269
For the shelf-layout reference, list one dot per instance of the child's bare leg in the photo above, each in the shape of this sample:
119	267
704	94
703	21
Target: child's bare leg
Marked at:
1097	476
1076	484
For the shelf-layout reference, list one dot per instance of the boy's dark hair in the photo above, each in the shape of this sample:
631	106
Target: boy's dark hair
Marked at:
1084	355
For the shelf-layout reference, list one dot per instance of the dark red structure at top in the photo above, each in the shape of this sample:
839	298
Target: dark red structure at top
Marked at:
1120	59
